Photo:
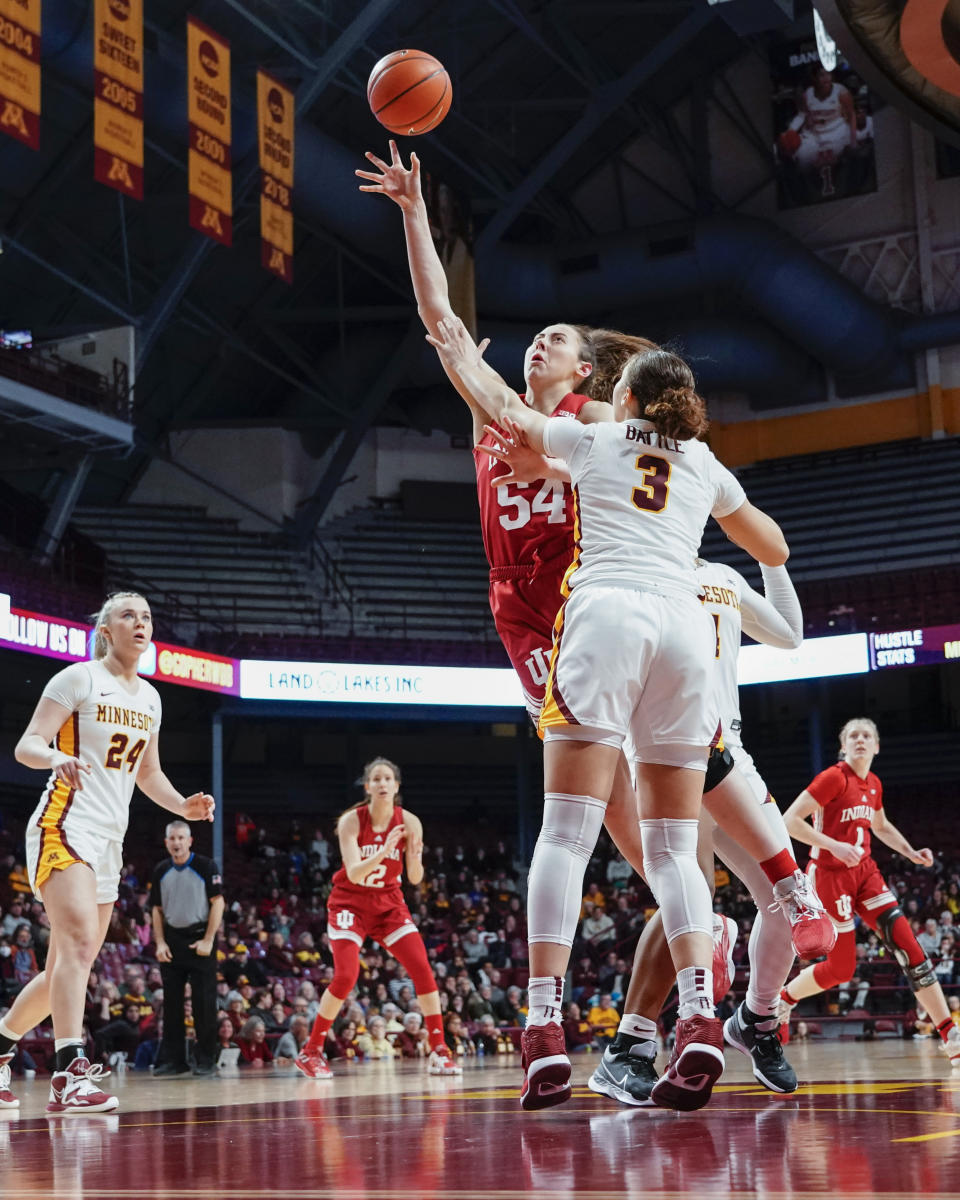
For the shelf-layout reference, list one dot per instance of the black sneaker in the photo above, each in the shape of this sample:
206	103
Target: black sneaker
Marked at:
166	1069
623	1075
765	1051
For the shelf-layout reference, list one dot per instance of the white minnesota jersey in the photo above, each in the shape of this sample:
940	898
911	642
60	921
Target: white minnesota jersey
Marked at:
721	589
825	115
109	728
642	501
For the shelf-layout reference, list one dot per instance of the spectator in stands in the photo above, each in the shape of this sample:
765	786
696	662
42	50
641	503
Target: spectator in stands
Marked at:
597	930
121	1035
345	1040
603	1018
595	897
306	954
509	1011
309	994
395	1019
486	1040
929	938
585	979
614	976
619	872
943	966
480	1003
627	919
280	959
577	1033
252	1040
474	950
225	1034
322	849
375	1043
245	832
105	1005
14	917
24	960
412	1041
457	1039
291	1043
947	926
235	1012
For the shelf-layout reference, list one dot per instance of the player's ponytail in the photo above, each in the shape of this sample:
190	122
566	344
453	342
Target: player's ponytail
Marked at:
368	769
100	643
666	394
606	350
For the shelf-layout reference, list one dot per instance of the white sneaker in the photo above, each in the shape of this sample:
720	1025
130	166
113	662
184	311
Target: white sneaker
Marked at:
442	1064
952	1047
75	1090
7	1098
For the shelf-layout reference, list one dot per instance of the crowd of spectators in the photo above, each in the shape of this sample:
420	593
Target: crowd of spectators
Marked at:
274	958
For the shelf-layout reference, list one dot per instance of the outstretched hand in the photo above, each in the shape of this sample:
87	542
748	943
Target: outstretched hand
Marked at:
512	448
400	183
456	347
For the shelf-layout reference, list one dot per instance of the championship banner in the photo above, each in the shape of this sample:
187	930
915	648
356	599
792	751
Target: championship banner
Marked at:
20	70
208	108
275	114
118	95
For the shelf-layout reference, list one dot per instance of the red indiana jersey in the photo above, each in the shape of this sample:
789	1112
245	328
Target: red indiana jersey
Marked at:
386	876
847	804
525	525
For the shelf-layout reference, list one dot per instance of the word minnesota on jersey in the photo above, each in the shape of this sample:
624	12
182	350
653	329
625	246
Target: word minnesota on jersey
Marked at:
110	714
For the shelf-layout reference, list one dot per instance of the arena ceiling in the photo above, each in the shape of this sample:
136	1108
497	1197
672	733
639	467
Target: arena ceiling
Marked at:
549	98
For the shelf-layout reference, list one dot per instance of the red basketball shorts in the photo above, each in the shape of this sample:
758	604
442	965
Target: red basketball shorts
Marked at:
859	890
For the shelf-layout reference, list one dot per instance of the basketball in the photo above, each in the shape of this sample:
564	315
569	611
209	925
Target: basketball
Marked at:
789	142
409	92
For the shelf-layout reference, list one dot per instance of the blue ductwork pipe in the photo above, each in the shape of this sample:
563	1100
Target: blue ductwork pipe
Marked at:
806	313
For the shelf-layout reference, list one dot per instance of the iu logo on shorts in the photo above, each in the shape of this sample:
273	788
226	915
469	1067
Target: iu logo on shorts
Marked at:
345	919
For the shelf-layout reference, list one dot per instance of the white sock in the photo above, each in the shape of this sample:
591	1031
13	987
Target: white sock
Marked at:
637	1026
695	985
544	997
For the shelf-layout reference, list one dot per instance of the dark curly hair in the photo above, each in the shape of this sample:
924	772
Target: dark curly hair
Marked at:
666	393
606	350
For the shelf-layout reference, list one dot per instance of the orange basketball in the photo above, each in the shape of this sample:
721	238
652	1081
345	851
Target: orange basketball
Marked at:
409	92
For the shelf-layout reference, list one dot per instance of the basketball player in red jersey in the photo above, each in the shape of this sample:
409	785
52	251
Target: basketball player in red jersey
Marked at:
527	527
366	901
846	803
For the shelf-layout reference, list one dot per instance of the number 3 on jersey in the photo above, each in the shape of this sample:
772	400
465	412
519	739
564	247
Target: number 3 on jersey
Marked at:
652	494
549	500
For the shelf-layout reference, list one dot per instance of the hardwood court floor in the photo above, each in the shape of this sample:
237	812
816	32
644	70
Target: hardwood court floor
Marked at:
871	1119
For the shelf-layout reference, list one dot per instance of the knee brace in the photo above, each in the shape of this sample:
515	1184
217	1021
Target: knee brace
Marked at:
674	876
897	936
571	826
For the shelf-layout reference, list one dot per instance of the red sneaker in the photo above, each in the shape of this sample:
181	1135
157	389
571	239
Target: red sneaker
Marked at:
7	1098
75	1090
546	1068
696	1065
314	1066
811	929
724	939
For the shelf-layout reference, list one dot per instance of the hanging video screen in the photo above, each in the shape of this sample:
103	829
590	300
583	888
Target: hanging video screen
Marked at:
823	128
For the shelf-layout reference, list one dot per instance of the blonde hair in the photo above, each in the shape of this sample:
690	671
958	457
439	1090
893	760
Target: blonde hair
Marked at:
859	721
368	770
100	644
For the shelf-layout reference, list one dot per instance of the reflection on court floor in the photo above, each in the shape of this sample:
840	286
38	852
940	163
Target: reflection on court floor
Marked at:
878	1119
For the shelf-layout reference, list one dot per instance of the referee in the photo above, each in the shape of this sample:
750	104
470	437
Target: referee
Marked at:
187	900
